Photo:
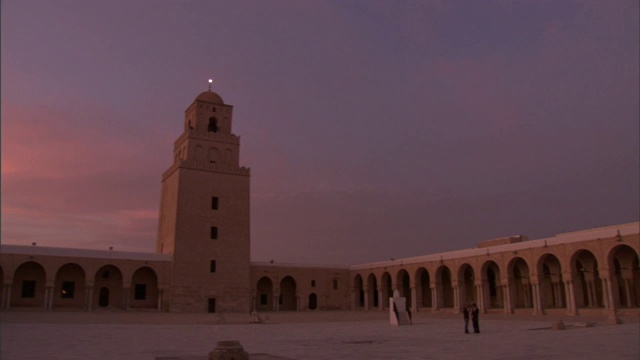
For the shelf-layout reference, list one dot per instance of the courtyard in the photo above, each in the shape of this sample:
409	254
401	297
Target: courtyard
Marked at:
309	335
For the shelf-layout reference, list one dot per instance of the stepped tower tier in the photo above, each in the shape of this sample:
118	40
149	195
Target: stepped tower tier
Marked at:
204	213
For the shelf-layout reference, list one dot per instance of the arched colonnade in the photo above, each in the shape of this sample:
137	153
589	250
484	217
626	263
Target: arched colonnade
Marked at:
32	284
275	293
553	279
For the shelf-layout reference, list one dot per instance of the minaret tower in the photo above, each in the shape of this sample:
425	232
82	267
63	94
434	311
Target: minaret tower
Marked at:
204	213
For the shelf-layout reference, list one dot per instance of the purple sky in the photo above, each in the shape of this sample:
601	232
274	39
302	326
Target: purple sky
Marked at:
373	129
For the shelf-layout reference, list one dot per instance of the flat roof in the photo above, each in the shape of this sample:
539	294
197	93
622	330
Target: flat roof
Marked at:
86	253
563	238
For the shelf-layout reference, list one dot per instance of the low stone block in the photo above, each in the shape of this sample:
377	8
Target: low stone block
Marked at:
558	325
228	350
583	324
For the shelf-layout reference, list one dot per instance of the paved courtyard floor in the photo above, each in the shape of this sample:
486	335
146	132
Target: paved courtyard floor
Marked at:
308	336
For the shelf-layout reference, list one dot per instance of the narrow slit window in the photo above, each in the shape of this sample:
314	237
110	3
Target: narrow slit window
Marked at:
214	232
213	125
214	203
212	266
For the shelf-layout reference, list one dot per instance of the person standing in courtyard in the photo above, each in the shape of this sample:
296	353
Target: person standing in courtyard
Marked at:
474	318
465	314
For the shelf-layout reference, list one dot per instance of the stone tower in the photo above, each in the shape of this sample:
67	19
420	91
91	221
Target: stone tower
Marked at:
204	214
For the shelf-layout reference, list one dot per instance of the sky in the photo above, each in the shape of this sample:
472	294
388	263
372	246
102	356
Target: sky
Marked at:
373	129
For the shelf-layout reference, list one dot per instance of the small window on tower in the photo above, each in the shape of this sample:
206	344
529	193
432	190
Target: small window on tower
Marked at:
313	283
213	124
214	203
214	232
212	266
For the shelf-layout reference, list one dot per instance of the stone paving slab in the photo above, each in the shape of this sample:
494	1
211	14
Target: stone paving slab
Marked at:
371	338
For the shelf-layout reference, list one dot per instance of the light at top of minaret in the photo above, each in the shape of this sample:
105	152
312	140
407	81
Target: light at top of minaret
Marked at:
210	81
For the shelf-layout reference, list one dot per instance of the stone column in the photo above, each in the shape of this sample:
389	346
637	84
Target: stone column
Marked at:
434	299
3	297
380	302
508	306
627	290
610	300
366	297
89	299
571	300
276	299
354	299
480	296
48	289
7	299
527	294
160	291
557	294
605	296
51	296
456	299
126	297
414	300
537	300
419	296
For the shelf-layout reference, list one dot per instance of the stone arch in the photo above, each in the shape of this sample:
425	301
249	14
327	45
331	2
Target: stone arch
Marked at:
586	279
549	272
108	286
403	284
466	285
423	288
214	155
264	291
518	274
29	282
387	288
358	289
493	291
313	301
625	276
70	286
144	289
372	290
288	294
444	283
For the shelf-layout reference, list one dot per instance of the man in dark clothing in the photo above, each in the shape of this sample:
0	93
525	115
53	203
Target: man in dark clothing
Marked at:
474	318
465	313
